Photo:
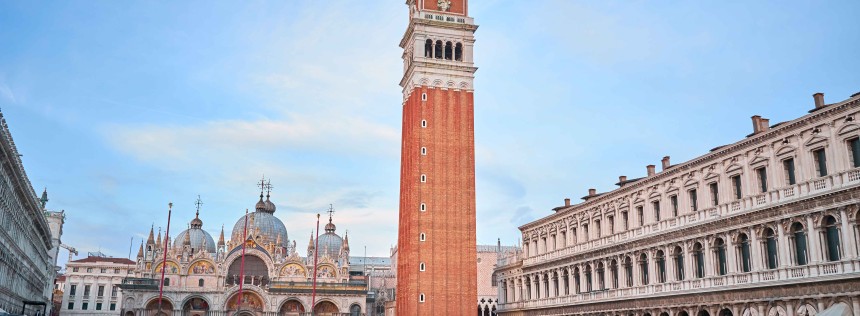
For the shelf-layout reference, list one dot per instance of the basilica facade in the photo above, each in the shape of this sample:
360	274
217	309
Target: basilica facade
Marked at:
767	225
204	277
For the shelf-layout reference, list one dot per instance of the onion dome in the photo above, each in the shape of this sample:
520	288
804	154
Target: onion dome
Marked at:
263	226
261	205
270	207
330	243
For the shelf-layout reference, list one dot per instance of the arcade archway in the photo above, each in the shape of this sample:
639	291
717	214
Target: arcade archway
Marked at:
164	308
291	307
326	308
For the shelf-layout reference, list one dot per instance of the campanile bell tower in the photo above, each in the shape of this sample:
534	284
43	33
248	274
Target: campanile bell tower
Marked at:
436	268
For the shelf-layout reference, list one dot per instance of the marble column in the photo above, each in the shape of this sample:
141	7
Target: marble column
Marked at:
813	245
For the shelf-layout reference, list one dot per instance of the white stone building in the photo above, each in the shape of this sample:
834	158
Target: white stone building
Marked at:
26	268
767	225
91	285
202	277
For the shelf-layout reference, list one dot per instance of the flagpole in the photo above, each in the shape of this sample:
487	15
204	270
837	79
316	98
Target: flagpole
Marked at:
164	262
242	264
316	255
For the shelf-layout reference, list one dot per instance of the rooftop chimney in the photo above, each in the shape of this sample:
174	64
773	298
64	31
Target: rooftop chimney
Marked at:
819	99
666	163
756	120
592	192
621	179
650	169
567	202
764	125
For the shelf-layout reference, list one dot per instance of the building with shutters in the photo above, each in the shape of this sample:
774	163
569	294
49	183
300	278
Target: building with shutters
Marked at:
767	225
90	285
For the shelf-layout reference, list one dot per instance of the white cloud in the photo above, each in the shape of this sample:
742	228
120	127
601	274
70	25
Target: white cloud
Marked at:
7	93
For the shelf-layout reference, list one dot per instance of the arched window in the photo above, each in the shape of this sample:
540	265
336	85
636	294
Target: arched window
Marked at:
573	235
678	253
200	282
555	283
566	278
601	277
546	285
720	253
699	258
588	287
613	272
628	270
831	238
428	48
576	283
438	51
458	52
661	266
799	240
643	268
770	248
528	294
744	249
166	281
449	51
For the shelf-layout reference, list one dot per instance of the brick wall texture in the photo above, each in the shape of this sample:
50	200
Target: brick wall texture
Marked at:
449	280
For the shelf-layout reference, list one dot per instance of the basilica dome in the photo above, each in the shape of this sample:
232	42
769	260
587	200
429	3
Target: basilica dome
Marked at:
196	236
263	226
330	243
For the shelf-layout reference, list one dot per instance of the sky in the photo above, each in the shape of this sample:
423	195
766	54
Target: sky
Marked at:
119	108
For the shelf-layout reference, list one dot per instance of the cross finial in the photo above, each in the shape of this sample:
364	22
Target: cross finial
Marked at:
262	185
198	203
269	187
330	212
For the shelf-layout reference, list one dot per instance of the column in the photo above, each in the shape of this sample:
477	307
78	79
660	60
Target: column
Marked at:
607	275
731	256
789	308
813	246
847	243
708	255
756	254
562	289
782	247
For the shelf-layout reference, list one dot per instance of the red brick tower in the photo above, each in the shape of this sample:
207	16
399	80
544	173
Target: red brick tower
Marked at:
436	264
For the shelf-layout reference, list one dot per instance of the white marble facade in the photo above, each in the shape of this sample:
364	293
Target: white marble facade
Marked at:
766	225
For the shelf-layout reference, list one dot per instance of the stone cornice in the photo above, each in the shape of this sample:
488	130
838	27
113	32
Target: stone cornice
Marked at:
440	24
719	225
696	163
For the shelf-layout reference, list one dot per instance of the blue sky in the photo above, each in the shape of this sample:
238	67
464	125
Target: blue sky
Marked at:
119	108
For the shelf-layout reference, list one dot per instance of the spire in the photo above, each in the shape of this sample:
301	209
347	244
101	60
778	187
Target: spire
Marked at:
44	198
158	240
311	242
346	241
221	238
187	240
151	239
140	251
